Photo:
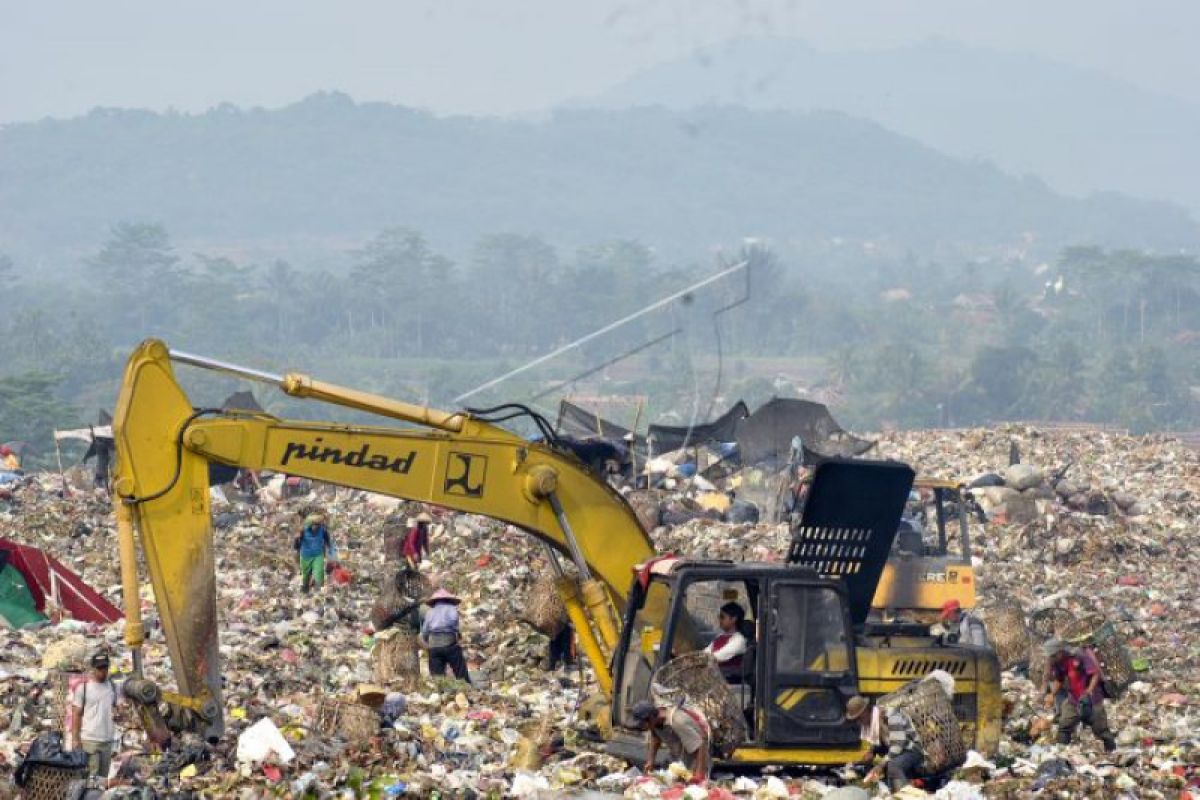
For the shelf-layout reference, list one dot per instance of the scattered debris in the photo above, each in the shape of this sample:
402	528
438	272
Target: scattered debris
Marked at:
522	731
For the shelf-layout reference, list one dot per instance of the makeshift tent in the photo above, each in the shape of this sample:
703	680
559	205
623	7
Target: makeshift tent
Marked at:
17	606
48	578
765	437
578	422
723	429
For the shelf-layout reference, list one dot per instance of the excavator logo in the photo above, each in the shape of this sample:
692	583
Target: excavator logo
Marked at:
465	474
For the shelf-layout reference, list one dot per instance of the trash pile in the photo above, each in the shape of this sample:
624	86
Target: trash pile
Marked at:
1091	523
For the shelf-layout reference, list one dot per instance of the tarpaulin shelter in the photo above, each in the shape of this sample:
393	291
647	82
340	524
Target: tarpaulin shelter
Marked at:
49	579
17	606
722	429
765	437
578	422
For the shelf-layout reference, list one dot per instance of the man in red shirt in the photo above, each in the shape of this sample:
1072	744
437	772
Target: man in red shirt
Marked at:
1073	690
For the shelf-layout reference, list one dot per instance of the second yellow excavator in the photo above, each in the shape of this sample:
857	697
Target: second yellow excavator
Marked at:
633	611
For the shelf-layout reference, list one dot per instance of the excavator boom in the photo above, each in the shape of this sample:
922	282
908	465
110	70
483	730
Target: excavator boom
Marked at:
161	493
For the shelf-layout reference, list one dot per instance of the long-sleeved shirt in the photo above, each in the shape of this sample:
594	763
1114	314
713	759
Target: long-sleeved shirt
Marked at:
727	647
442	618
902	736
686	731
313	541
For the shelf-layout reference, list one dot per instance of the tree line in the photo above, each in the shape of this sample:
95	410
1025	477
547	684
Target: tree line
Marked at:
1092	335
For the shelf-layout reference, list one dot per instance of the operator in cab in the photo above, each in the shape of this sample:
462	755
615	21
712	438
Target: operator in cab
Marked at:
729	648
685	731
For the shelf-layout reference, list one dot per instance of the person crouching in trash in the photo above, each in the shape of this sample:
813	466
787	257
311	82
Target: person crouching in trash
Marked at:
439	635
685	731
905	757
1073	690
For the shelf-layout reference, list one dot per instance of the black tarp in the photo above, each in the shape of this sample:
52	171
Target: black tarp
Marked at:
722	429
765	437
580	423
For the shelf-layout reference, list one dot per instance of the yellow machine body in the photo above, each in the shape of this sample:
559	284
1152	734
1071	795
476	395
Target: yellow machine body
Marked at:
455	460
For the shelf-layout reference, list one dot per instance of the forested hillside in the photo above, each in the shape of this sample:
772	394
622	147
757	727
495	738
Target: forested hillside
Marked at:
326	171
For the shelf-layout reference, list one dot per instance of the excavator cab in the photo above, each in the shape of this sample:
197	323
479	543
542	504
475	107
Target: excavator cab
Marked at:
799	669
802	664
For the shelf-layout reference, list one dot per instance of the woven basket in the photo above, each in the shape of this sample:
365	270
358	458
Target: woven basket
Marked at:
1008	633
59	682
393	598
932	715
393	547
398	660
51	783
695	679
351	721
544	608
1078	629
1115	663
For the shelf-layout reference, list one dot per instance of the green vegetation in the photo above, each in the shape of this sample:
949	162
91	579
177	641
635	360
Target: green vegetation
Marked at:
1103	336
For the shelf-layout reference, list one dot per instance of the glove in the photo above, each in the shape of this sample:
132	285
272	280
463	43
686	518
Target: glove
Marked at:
1085	707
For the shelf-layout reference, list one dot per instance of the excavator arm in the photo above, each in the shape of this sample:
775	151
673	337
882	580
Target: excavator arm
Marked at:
161	494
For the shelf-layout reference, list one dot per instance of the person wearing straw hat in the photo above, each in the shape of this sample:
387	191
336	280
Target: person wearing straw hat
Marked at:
416	540
313	545
1073	690
439	635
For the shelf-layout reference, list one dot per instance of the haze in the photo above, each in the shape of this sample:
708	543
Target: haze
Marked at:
479	57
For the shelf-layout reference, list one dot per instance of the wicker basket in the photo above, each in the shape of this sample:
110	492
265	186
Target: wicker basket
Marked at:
393	547
932	714
59	688
397	659
544	608
1088	630
1008	633
51	783
414	586
351	721
695	679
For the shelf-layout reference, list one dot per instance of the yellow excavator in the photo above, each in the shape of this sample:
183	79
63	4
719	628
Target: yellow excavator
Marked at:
632	610
930	562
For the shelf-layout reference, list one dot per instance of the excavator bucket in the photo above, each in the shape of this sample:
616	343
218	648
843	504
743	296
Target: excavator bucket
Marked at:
849	522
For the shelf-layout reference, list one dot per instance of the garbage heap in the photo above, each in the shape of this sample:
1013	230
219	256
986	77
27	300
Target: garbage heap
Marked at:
1123	552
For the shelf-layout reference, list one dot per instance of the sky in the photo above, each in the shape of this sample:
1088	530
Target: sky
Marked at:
65	57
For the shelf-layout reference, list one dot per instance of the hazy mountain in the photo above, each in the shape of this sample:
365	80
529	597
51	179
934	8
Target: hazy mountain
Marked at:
1080	130
326	172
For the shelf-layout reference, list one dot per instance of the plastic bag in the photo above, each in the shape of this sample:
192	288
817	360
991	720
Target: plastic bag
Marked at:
262	739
